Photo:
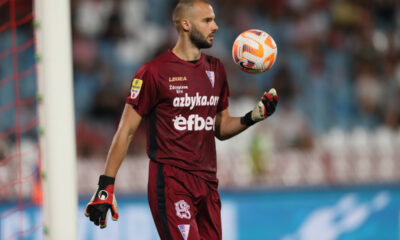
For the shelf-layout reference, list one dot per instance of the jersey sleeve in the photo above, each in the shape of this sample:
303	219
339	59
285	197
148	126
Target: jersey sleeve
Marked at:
223	102
143	93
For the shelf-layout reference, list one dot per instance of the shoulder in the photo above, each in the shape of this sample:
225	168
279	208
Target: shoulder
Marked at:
153	66
213	60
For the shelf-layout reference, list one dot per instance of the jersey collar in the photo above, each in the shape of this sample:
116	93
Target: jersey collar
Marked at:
186	62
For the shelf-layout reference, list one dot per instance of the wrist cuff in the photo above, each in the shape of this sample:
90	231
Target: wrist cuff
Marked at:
246	119
104	181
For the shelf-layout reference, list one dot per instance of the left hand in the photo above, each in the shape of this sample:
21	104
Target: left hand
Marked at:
264	108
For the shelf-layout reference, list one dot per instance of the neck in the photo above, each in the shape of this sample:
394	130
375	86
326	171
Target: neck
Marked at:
185	50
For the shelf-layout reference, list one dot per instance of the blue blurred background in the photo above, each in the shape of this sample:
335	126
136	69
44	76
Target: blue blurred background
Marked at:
326	165
337	75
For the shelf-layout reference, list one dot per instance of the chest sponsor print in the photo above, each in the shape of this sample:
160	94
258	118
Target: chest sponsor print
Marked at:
178	88
193	122
195	101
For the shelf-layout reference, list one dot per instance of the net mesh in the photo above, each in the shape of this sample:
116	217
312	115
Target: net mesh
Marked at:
20	191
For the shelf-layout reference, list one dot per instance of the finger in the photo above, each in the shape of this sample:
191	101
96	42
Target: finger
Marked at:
94	216
114	210
114	214
91	217
89	207
274	101
88	210
97	221
266	96
87	214
272	92
103	219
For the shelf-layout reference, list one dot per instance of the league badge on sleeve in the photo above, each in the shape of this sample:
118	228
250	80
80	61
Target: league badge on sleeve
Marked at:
136	86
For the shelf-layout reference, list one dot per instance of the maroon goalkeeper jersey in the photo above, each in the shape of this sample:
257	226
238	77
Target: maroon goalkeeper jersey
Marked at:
179	99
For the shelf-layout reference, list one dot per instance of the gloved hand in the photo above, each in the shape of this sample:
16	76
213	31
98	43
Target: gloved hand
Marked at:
263	109
102	200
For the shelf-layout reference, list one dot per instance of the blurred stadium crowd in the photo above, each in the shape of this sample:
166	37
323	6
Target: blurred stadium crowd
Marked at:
338	60
337	75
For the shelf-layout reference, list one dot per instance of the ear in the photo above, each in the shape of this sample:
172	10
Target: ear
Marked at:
186	25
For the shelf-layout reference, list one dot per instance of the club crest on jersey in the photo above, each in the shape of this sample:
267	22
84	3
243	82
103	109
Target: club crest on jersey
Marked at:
136	86
184	228
211	77
182	209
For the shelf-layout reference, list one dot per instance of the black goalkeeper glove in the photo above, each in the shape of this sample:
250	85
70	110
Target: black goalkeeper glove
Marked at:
264	108
102	200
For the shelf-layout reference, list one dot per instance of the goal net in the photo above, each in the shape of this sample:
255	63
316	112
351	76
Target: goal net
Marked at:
20	161
37	140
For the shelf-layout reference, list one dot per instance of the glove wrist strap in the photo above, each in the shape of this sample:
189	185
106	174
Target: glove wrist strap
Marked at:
246	119
104	181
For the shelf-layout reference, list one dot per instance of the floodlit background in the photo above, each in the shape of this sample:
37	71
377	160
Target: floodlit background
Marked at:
325	166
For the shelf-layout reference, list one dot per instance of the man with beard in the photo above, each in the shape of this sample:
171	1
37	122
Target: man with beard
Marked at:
183	95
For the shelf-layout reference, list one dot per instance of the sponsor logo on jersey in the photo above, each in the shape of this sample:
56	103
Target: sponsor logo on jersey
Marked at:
136	86
182	209
193	101
178	88
177	79
211	77
184	228
193	122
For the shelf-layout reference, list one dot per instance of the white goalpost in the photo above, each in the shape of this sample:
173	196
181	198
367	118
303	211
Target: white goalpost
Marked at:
56	113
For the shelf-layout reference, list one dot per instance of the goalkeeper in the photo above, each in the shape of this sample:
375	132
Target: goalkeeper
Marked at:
183	95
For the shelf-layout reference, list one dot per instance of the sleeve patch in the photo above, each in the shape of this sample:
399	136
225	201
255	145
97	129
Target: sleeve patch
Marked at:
136	86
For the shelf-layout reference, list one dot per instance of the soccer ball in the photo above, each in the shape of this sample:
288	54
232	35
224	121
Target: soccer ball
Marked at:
254	51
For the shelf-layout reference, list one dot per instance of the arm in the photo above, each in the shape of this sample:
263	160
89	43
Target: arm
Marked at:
104	199
129	122
227	126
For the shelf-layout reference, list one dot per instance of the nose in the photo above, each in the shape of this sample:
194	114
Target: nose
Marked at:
215	27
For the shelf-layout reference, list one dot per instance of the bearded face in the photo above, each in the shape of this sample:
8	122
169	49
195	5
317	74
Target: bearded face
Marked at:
198	39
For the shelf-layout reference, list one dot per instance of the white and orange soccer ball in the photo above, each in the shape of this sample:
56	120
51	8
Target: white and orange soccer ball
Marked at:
254	51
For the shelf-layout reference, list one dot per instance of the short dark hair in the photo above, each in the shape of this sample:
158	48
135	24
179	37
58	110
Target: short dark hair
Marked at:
181	7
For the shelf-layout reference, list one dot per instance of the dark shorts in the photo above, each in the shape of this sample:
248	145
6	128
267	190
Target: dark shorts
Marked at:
183	205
